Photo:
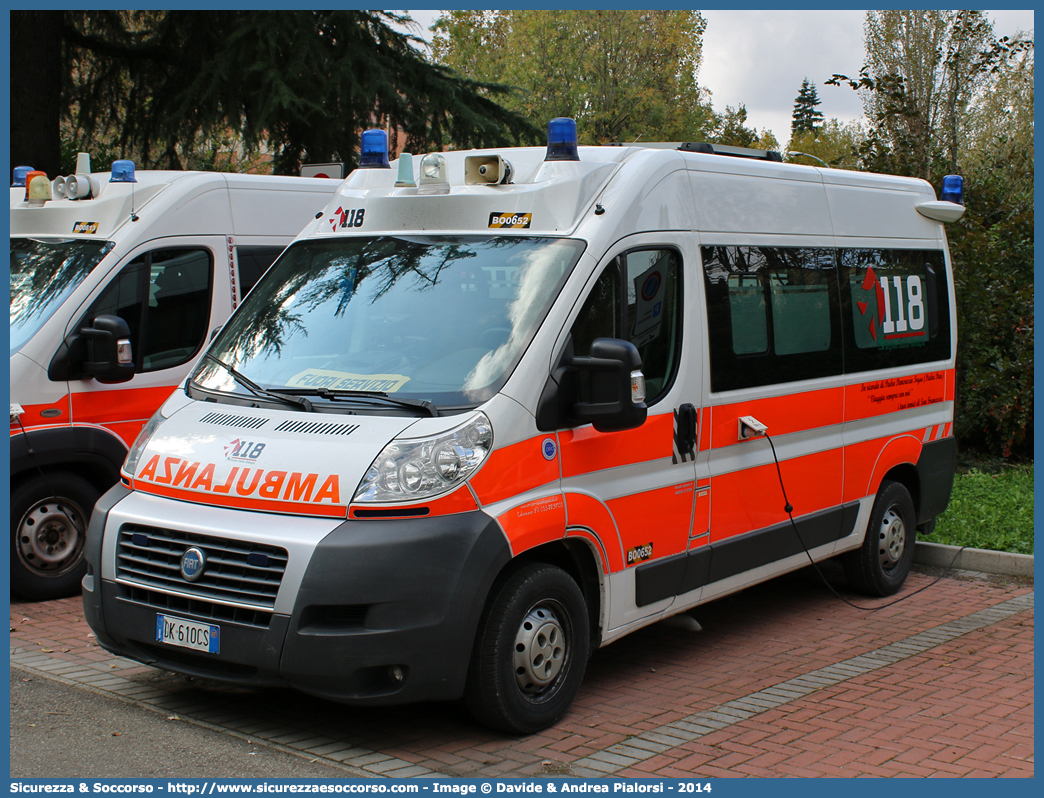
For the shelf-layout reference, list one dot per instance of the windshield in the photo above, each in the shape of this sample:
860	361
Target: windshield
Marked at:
439	319
43	274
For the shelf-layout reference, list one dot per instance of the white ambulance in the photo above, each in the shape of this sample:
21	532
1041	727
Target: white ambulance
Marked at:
496	409
117	281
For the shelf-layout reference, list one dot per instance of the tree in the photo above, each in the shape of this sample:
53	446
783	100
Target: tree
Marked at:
620	74
305	83
835	143
36	43
730	129
806	118
924	69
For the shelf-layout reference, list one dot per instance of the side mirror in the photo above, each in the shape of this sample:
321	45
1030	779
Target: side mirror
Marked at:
613	389
109	356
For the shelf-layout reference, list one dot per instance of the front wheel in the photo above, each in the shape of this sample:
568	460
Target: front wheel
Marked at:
880	566
531	651
49	518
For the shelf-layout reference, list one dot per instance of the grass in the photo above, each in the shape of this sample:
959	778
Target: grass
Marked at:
991	507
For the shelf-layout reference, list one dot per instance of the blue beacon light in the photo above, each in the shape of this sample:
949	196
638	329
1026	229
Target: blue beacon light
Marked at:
18	175
953	189
561	140
123	172
373	152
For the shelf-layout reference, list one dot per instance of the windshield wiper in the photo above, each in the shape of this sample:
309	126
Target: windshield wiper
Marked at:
257	390
381	396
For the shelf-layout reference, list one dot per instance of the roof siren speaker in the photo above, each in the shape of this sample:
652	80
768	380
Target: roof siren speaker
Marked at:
489	170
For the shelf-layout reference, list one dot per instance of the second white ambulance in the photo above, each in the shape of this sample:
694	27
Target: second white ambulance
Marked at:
118	280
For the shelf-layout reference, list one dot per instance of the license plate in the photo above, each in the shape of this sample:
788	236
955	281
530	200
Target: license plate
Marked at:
187	634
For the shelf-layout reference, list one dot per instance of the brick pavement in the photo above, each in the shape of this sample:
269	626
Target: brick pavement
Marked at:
784	680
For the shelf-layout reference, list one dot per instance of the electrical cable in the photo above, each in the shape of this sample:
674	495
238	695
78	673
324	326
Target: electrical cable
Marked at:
789	509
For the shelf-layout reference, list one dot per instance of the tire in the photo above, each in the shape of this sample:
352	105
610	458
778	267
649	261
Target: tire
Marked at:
880	566
531	651
49	519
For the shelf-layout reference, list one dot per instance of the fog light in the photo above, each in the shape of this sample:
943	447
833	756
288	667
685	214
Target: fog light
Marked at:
396	673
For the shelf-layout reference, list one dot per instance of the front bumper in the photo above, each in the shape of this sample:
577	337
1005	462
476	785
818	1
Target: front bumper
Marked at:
383	611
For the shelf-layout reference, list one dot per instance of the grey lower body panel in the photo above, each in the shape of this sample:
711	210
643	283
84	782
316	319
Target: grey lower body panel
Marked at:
386	613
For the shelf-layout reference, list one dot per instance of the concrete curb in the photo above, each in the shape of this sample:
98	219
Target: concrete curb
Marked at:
981	560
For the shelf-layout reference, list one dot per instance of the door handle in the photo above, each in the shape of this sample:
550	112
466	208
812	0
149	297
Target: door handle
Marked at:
685	433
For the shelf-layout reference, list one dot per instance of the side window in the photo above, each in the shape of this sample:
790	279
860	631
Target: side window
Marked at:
254	262
772	314
637	298
164	296
654	314
897	309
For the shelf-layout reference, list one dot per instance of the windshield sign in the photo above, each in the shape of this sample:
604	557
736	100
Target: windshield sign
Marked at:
43	274
439	319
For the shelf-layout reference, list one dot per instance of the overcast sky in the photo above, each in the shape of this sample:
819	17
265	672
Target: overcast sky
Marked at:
759	58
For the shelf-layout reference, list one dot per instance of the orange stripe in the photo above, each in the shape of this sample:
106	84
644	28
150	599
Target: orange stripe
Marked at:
866	463
515	469
586	450
586	511
752	499
263	505
533	523
32	416
822	408
870	399
781	414
660	517
705	429
459	501
118	404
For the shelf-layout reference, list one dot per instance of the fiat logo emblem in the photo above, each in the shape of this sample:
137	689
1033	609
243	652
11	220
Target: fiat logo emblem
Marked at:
193	561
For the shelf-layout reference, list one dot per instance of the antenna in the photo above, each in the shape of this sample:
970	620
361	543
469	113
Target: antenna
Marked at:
808	155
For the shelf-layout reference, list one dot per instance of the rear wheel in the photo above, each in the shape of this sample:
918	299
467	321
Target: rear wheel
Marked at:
531	651
880	566
48	530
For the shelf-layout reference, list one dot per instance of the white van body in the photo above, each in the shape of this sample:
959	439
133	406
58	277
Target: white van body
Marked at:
196	239
758	295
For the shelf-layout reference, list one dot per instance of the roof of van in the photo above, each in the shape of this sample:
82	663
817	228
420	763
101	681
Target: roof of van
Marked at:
157	193
668	189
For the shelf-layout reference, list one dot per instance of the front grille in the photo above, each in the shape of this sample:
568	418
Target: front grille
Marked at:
237	573
184	606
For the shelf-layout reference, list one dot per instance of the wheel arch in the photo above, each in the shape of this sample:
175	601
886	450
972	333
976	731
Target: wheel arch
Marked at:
93	453
906	475
897	462
577	557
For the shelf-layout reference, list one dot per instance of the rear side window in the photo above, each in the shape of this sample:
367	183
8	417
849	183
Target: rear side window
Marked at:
896	307
773	314
253	262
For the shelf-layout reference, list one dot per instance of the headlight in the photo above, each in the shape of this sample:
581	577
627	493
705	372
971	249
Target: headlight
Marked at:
130	465
421	468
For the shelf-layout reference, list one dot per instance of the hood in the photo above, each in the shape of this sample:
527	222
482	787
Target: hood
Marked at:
264	460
